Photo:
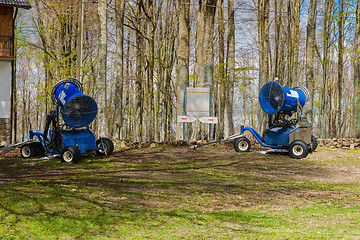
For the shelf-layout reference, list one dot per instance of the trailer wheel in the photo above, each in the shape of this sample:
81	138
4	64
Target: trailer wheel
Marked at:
27	150
298	149
242	144
106	147
70	154
314	143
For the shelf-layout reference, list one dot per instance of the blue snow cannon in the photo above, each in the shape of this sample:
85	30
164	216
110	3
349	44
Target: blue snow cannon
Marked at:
287	128
70	136
275	98
78	110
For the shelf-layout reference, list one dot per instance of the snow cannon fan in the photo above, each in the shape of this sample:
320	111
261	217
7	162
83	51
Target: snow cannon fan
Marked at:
77	109
275	98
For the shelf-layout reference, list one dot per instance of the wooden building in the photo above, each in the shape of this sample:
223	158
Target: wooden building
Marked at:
8	12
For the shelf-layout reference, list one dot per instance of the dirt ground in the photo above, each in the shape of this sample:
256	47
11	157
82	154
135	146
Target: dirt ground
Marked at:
337	162
327	153
178	187
328	165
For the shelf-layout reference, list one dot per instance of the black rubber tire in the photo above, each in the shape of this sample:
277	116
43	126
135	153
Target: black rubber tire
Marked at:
27	150
70	154
298	149
314	143
39	149
242	144
108	145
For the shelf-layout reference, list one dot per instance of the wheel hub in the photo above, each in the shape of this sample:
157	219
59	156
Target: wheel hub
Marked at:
68	156
243	145
26	152
298	150
103	148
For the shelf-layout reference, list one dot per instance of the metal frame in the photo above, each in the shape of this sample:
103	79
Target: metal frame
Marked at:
40	137
259	138
232	137
262	141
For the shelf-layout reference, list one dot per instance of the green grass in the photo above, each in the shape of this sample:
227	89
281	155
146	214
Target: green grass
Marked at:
175	193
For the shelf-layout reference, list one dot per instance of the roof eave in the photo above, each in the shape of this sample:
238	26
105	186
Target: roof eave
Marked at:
27	7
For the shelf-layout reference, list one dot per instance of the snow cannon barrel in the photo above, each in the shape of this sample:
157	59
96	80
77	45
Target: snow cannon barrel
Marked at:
275	98
78	110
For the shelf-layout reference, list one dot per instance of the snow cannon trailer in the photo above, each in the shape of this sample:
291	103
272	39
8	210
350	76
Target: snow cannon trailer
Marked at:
287	127
67	132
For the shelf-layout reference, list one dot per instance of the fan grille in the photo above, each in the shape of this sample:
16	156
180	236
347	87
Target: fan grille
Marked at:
79	111
274	95
271	97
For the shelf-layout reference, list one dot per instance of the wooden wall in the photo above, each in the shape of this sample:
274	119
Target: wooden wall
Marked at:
6	31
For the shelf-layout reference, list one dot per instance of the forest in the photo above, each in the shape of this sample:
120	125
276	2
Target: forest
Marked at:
135	57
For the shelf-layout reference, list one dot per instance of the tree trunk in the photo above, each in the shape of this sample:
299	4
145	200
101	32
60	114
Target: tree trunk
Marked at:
288	38
45	56
325	107
101	81
119	68
183	62
278	24
161	129
310	47
294	40
356	98
80	40
138	80
204	51
161	85
150	87
129	91
229	100
263	36
222	79
339	87
204	43
168	98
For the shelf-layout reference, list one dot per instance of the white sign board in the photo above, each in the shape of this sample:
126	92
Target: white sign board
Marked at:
213	120
185	119
197	101
5	89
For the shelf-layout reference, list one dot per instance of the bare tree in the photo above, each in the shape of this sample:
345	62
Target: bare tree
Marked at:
277	49
139	93
263	38
204	43
204	52
222	74
356	89
119	67
310	48
325	108
103	128
150	83
294	42
339	85
182	61
229	100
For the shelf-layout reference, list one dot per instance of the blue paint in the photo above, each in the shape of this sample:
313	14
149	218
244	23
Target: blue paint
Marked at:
78	110
83	139
278	136
275	98
260	139
40	137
